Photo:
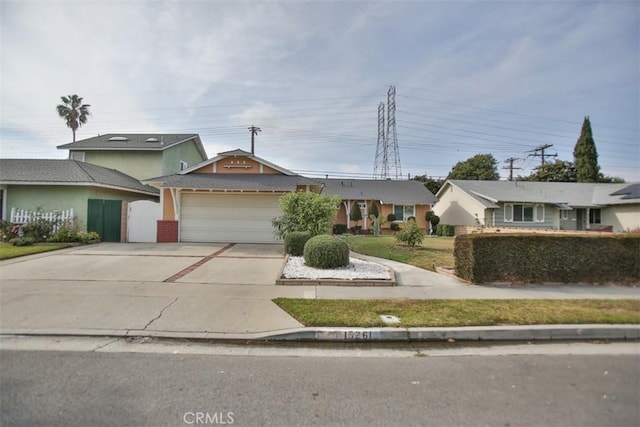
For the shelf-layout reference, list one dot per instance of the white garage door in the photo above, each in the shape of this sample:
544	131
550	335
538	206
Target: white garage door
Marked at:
230	218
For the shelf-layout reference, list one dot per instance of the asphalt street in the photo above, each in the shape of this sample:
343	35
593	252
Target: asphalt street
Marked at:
366	387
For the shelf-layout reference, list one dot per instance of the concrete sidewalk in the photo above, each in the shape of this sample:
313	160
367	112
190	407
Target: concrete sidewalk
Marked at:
228	295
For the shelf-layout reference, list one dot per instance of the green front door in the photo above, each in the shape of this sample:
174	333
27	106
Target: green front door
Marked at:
104	217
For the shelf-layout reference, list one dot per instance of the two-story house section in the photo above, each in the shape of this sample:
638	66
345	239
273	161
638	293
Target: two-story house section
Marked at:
141	156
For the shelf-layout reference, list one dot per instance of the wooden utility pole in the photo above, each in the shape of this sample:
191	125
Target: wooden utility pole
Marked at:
254	131
541	149
511	167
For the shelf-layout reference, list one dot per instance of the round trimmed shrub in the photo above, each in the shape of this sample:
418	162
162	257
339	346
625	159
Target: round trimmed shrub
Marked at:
326	252
294	242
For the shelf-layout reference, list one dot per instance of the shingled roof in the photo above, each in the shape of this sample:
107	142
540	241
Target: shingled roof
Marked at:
387	191
67	172
233	182
134	141
576	194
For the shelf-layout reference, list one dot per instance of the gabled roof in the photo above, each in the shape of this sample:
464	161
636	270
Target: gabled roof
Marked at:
67	172
387	191
134	141
237	153
568	194
232	181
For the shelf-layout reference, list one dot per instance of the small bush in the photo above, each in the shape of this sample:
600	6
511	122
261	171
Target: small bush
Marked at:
411	234
39	230
391	217
339	228
395	226
85	237
22	241
294	242
445	230
326	252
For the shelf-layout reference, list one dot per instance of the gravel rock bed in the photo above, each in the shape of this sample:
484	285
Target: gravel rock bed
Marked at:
357	269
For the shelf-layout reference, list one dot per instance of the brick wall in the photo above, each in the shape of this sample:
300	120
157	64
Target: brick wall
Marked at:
468	229
167	231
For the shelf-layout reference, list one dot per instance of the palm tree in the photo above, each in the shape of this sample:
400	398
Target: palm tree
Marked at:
74	112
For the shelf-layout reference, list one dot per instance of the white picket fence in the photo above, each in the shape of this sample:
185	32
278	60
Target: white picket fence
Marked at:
24	216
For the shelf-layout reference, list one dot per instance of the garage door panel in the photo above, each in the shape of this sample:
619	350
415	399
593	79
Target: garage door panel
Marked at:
228	218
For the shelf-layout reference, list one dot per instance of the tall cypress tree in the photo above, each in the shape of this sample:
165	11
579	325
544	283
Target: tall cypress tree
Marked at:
585	155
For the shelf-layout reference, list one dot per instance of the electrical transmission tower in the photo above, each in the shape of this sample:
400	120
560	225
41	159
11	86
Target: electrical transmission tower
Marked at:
387	163
380	167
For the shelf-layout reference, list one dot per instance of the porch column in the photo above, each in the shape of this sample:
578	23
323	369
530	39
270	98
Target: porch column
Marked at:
586	218
347	206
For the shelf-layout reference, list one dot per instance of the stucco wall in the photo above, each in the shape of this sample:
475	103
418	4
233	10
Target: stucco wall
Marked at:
61	197
622	217
187	152
455	207
138	164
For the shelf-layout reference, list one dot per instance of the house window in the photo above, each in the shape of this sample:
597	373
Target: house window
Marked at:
595	216
77	156
523	213
403	212
183	165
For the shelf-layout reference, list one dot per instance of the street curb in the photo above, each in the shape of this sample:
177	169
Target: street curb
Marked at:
472	333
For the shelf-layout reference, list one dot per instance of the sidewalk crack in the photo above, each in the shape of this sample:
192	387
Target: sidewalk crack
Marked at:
100	347
160	314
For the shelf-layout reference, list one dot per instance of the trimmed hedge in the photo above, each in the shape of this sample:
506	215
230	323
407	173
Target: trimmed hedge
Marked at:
294	242
445	230
339	228
538	258
326	252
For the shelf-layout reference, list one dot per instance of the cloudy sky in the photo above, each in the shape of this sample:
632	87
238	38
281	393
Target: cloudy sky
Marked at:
499	77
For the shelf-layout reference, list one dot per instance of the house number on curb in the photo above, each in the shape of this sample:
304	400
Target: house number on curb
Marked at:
357	335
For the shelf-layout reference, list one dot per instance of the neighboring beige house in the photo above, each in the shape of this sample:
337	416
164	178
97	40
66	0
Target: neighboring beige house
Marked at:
139	155
232	197
403	198
540	205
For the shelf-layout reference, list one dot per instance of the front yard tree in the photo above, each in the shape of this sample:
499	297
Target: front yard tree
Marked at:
311	212
374	216
355	214
585	155
478	167
73	112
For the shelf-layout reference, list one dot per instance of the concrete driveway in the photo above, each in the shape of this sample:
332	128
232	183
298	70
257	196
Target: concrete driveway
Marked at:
146	289
239	264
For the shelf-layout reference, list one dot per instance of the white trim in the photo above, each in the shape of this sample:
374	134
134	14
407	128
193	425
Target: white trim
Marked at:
4	201
183	165
243	154
80	184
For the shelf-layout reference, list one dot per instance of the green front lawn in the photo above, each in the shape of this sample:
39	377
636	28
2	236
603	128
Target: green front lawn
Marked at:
434	251
9	251
446	313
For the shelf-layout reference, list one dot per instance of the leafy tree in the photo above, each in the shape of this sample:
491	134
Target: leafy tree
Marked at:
585	155
478	167
311	212
374	216
432	184
610	179
73	112
355	214
433	221
559	171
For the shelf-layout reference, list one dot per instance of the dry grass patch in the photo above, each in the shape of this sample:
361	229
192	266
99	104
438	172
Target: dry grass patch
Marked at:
446	313
434	251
